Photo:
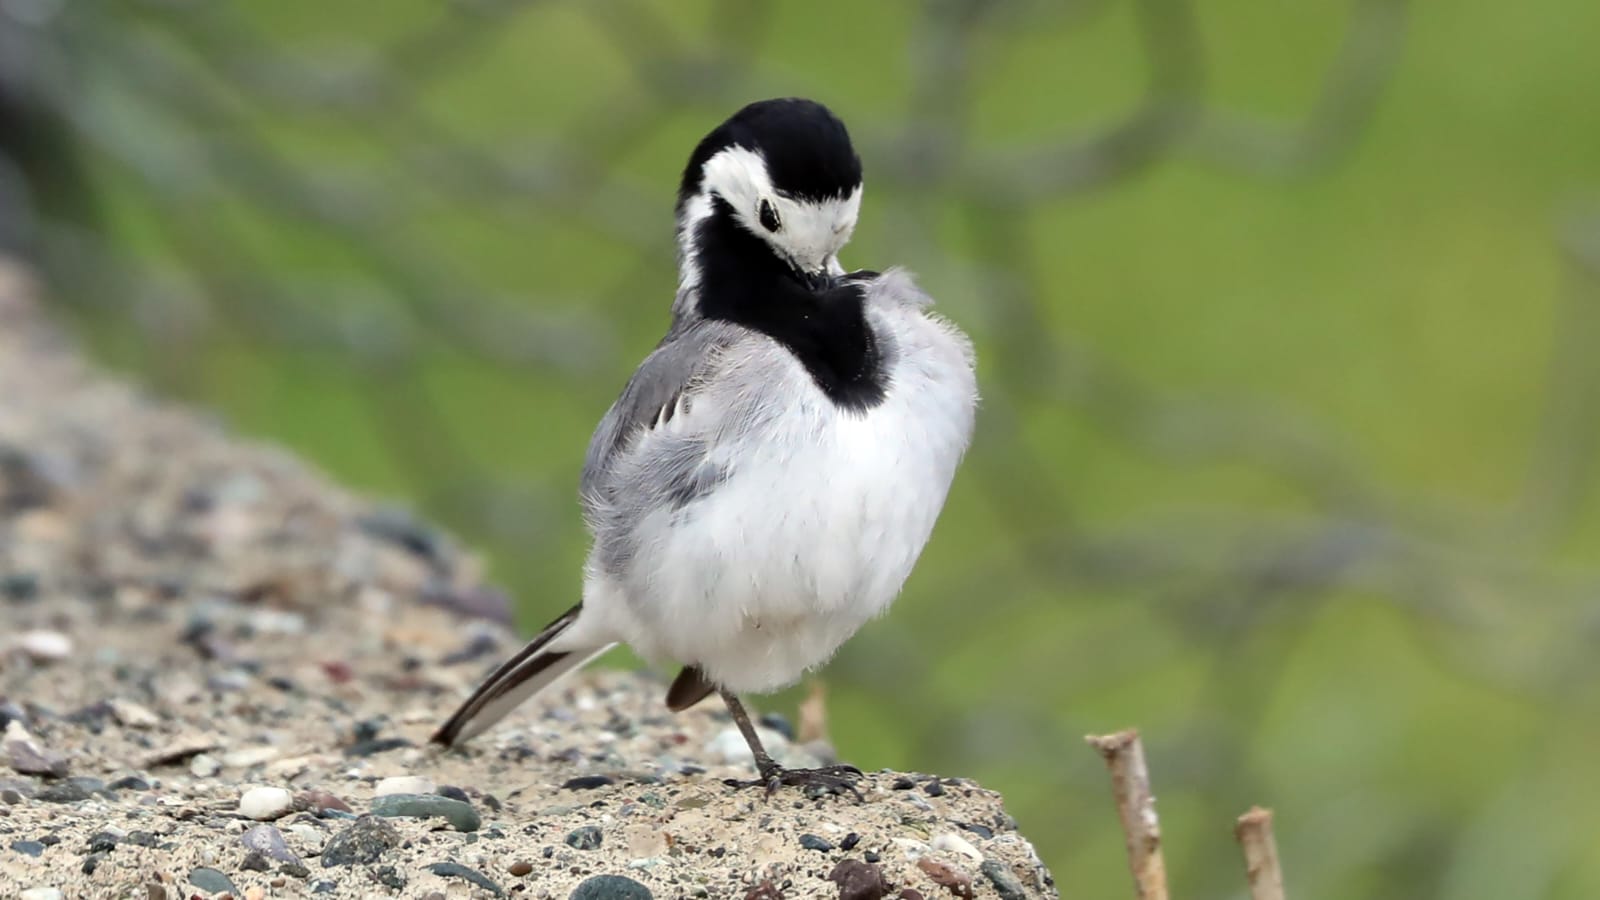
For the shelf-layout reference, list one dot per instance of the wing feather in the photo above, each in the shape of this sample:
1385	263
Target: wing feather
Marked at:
656	449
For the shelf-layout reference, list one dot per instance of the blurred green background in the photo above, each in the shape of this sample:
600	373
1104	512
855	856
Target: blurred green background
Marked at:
1286	316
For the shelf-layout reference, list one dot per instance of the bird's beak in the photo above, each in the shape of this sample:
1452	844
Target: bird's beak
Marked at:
817	281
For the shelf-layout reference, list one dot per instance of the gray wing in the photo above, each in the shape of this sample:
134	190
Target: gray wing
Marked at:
618	484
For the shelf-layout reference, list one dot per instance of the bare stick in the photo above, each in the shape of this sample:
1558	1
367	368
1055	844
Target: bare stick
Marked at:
813	725
1130	783
1254	832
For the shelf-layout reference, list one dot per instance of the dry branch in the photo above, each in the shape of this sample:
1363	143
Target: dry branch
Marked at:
1254	831
1130	784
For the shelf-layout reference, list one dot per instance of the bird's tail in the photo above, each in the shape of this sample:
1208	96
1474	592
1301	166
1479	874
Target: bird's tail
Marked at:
534	668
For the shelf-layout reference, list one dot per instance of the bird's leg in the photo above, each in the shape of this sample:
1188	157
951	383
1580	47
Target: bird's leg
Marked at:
769	769
831	779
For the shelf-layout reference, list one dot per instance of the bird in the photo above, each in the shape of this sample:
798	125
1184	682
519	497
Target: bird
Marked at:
769	475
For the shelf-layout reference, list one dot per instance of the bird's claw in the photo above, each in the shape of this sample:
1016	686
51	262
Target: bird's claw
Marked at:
825	780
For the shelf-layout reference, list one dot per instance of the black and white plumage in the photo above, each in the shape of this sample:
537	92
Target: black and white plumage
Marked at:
768	477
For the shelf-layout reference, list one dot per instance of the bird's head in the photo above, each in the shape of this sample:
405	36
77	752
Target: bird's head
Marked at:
781	172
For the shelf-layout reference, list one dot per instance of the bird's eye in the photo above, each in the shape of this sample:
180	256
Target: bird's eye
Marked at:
769	216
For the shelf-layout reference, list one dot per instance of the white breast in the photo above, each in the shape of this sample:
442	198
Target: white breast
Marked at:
817	526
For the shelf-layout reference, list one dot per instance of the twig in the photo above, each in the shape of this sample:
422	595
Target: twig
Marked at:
813	724
1130	783
1254	832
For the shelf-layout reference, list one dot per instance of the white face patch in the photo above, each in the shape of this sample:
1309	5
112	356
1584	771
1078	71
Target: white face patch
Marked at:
809	235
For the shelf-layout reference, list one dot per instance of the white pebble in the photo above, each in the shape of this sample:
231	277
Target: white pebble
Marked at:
730	747
265	803
956	843
204	766
277	621
41	894
913	849
404	784
45	646
308	835
132	715
249	756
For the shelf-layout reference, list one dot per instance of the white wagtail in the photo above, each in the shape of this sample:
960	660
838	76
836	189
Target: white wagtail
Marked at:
771	472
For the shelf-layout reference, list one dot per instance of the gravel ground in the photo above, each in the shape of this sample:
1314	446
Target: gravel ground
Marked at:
218	672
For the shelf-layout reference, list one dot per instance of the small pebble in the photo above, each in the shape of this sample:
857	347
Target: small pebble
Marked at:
318	801
456	870
404	784
480	645
131	715
26	757
211	881
269	842
390	877
812	842
587	782
19	587
461	816
229	681
610	887
729	746
295	870
45	646
1004	880
180	749
308	835
11	712
858	880
586	838
903	784
64	792
364	842
982	831
850	841
765	890
249	757
956	844
947	876
204	765
779	723
28	848
376	745
934	788
519	868
455	793
40	893
264	804
255	861
130	783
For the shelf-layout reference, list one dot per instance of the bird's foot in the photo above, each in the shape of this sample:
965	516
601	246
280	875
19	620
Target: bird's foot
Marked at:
815	782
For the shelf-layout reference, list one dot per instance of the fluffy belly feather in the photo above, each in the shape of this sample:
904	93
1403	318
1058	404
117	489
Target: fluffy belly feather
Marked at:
811	536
